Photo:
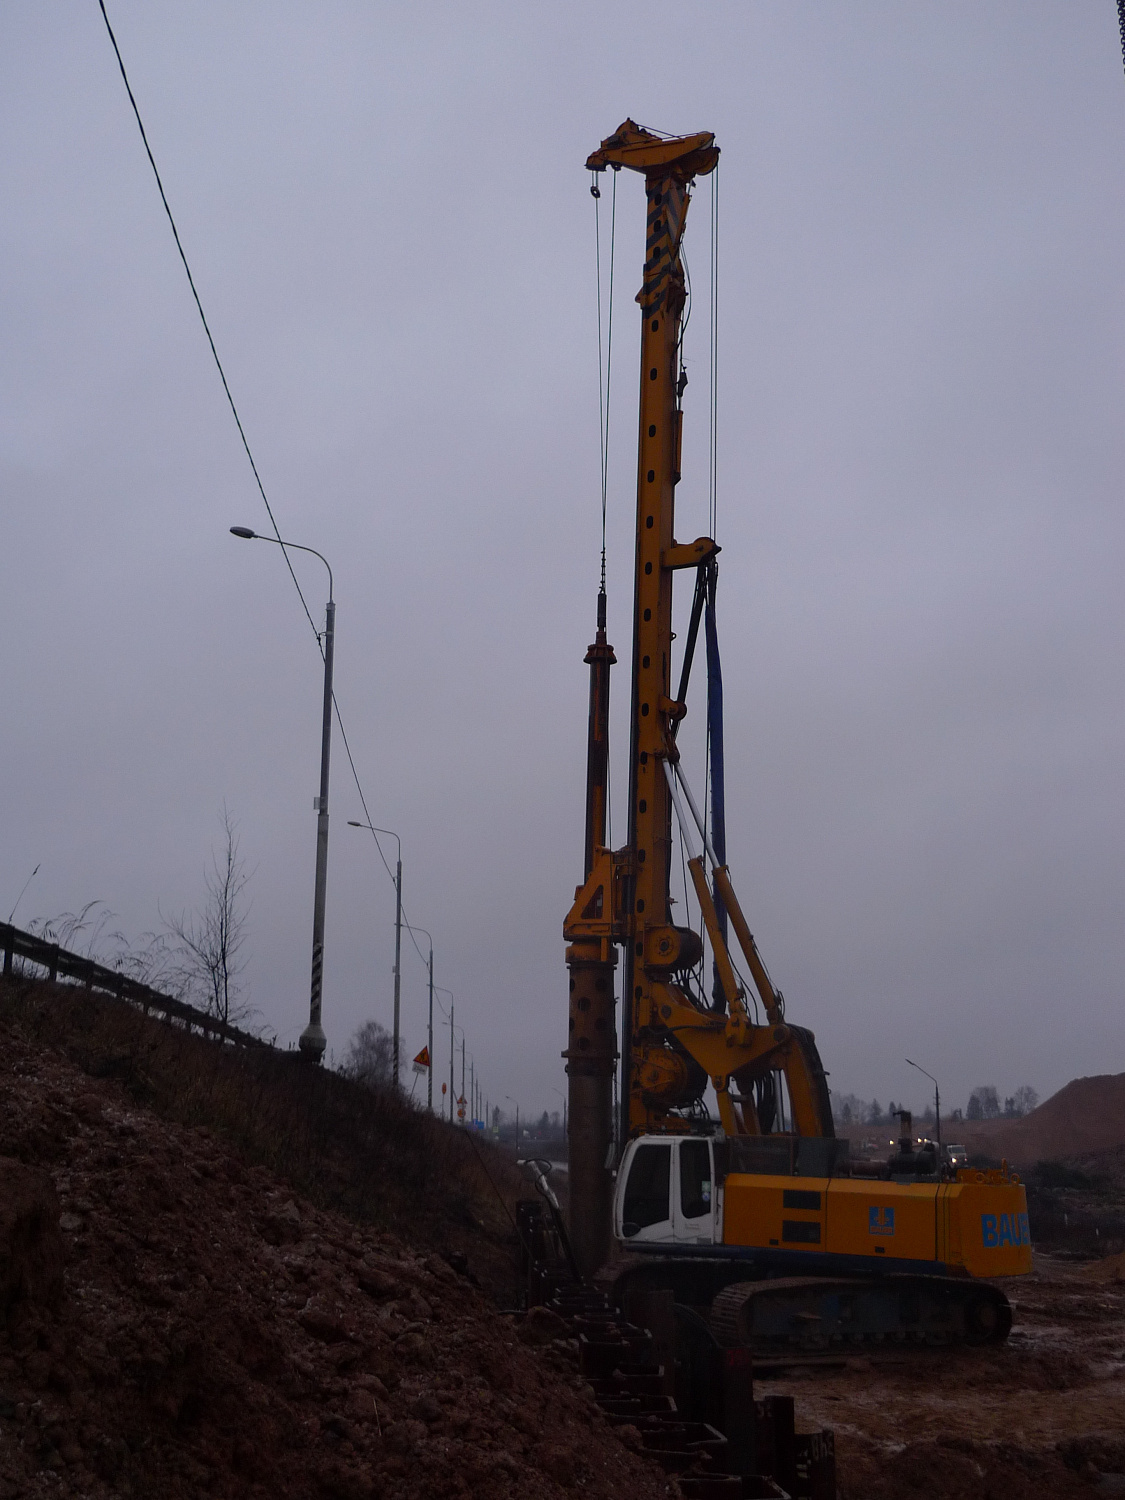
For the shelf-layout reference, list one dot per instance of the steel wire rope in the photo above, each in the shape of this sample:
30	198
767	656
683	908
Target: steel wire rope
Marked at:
604	393
606	363
238	420
713	454
712	370
1121	26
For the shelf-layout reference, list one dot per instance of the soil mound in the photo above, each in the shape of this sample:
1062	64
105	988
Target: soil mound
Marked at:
218	1335
31	1245
1111	1268
1084	1118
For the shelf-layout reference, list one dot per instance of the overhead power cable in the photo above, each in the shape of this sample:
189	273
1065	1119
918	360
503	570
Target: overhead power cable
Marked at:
238	424
202	314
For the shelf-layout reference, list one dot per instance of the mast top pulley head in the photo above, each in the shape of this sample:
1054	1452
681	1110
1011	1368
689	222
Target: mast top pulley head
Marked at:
631	145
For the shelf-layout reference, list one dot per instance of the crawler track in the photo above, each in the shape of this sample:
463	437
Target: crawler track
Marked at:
810	1313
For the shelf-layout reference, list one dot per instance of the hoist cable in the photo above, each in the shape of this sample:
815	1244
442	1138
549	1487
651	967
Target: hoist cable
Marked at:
711	790
713	444
237	418
1121	25
605	361
605	372
595	192
609	360
605	463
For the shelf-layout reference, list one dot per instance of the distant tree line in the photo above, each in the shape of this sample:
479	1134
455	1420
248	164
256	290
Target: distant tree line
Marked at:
984	1104
849	1109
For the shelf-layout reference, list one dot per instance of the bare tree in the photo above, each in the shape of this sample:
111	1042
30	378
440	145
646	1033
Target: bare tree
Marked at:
207	962
848	1109
984	1103
370	1056
1025	1099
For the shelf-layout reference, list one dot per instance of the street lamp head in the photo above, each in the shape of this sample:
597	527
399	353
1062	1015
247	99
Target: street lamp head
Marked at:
353	824
244	532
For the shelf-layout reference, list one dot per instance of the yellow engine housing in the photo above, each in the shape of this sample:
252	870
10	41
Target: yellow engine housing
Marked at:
976	1225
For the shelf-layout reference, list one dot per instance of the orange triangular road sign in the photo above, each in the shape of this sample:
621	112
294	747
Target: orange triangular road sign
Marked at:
423	1058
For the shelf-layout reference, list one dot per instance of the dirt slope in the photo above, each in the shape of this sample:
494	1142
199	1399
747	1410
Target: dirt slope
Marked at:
369	1155
178	1323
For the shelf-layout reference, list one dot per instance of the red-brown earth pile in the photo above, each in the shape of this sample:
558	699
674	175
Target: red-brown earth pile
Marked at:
179	1323
1085	1118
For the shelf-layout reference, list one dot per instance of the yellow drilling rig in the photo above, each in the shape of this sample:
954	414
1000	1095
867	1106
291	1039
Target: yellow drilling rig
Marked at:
759	1219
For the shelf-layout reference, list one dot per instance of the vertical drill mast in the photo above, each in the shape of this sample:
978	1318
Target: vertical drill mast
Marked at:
625	896
669	166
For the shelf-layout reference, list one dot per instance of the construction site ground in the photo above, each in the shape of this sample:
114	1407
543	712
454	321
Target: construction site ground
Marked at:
1042	1415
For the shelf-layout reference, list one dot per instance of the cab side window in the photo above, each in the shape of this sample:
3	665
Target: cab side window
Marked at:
646	1193
695	1179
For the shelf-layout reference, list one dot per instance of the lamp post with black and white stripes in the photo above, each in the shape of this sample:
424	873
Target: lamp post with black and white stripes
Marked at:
312	1040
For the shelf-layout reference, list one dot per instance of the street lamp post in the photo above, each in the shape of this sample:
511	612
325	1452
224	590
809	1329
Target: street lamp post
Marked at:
452	1091
398	926
452	1065
312	1039
937	1103
430	1029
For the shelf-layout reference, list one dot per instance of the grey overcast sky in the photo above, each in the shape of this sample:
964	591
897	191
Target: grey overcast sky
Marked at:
921	459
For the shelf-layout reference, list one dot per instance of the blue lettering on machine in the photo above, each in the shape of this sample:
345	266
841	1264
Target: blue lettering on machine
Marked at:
1005	1229
880	1220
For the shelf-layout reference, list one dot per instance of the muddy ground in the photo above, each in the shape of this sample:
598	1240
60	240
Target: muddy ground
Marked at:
1043	1415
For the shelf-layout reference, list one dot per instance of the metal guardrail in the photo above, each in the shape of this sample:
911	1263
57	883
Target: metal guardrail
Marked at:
62	964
